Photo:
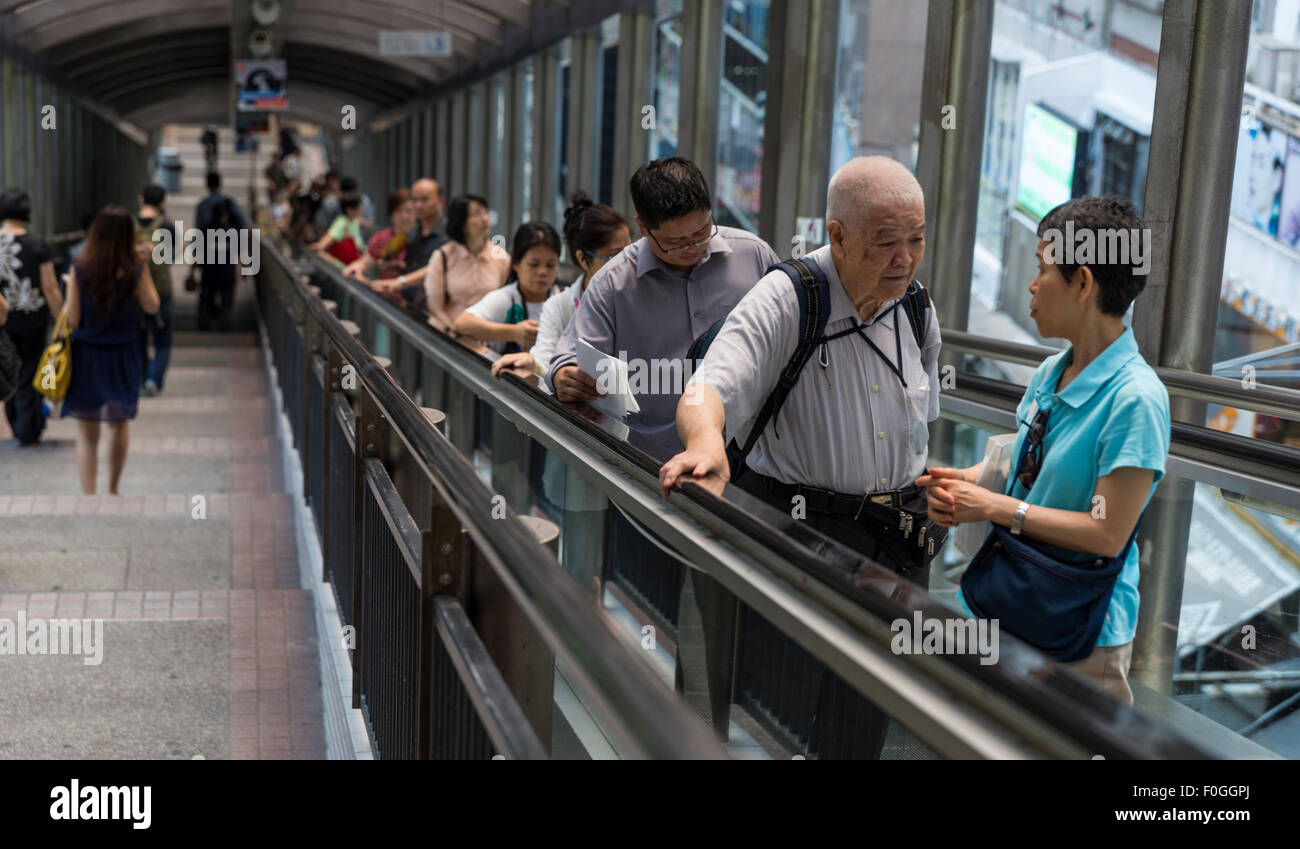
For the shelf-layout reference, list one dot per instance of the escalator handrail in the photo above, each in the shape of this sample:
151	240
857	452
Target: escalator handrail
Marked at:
628	699
1043	690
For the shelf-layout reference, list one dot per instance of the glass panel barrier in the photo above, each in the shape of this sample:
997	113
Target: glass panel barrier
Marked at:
1070	104
1258	334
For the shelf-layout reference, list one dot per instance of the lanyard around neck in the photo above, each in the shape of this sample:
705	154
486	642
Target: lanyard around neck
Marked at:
860	329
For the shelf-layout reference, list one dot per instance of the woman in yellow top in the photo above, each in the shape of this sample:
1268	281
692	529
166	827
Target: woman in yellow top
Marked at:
468	266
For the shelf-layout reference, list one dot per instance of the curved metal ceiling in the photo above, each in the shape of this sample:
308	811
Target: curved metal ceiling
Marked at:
154	60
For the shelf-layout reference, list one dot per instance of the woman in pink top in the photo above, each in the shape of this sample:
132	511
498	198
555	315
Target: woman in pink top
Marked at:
468	266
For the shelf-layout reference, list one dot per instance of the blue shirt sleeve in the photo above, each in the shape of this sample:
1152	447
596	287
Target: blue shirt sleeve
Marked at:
1136	432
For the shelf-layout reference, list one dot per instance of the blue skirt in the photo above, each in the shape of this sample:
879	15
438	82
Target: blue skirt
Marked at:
105	382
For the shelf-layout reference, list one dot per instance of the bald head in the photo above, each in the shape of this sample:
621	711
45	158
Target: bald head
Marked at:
426	196
875	223
868	186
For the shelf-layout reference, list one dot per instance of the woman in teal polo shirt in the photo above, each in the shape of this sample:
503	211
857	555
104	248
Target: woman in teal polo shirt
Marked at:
1104	419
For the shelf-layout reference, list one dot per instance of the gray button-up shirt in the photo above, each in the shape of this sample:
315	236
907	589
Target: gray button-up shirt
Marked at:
849	426
639	309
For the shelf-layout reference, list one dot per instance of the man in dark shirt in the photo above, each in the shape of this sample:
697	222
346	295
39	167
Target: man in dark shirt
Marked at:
425	237
28	286
203	214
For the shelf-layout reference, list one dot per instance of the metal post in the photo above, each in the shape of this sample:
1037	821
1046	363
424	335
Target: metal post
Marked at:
415	137
583	156
43	150
635	91
512	154
476	157
957	50
445	564
1197	113
333	384
958	43
797	125
701	81
455	178
441	143
525	660
545	153
19	128
9	116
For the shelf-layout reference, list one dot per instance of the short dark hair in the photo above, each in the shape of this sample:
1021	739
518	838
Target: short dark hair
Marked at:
668	188
1117	282
349	200
528	236
396	198
458	214
348	184
153	194
214	181
589	226
15	204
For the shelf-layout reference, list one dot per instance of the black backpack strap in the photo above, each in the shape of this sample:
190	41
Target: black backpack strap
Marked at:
916	303
813	291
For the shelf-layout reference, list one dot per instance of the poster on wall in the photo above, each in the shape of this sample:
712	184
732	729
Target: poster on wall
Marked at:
261	85
1289	224
1259	176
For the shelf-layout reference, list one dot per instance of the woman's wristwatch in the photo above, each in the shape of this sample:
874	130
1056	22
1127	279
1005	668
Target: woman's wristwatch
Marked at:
1018	520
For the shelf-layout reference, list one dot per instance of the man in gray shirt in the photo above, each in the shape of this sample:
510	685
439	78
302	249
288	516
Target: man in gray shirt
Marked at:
649	303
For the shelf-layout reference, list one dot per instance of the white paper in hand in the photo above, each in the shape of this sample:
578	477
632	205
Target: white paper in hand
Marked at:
610	374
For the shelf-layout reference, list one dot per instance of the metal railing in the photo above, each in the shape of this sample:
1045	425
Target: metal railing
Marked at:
834	605
458	615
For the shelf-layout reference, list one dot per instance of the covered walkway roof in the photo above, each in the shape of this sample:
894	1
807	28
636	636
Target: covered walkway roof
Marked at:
157	61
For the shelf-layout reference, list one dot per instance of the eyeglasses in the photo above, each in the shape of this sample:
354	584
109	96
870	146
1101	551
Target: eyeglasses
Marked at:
1032	459
594	255
694	243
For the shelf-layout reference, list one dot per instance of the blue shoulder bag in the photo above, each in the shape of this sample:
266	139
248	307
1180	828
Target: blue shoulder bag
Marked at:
1056	605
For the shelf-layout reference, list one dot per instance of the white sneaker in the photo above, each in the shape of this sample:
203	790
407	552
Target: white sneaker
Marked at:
151	389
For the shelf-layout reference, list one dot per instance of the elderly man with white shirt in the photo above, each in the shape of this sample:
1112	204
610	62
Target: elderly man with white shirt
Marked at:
851	436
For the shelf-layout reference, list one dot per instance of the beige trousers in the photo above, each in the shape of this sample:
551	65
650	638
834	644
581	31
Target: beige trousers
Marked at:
1107	667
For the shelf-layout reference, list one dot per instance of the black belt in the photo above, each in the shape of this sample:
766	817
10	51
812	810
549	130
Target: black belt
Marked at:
839	503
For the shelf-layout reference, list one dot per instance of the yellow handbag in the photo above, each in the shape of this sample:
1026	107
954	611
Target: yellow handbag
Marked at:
55	370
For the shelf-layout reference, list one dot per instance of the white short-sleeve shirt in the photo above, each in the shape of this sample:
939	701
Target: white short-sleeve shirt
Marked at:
851	425
495	306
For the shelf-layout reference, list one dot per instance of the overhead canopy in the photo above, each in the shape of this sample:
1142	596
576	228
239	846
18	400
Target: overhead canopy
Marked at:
155	61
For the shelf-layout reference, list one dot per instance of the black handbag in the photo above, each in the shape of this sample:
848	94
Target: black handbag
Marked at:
10	365
1056	605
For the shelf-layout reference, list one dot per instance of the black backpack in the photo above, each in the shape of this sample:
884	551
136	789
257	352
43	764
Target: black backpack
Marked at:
813	291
